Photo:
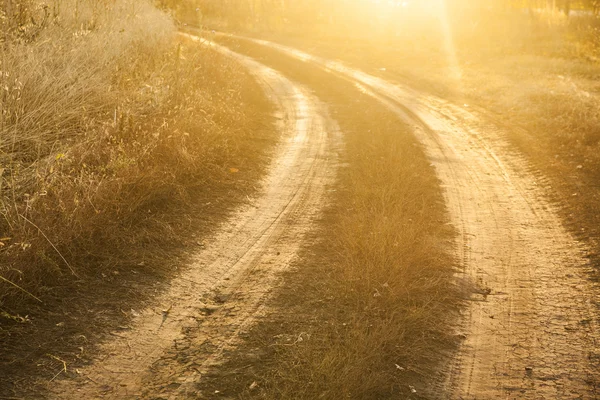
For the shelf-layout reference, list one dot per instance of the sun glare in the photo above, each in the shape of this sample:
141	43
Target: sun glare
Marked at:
449	47
411	13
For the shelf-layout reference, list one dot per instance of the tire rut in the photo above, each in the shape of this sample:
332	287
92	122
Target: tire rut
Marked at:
204	310
531	327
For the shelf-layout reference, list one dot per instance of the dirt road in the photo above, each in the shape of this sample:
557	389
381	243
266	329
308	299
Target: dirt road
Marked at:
531	330
199	317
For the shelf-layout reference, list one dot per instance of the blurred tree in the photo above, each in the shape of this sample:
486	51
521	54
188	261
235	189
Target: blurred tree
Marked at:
592	5
278	15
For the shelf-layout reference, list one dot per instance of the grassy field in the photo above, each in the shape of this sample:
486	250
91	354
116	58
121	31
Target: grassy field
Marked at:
367	311
117	146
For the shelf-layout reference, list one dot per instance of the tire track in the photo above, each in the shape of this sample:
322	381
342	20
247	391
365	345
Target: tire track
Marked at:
531	328
212	302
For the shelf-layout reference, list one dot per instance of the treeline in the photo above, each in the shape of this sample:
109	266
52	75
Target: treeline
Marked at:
280	14
566	6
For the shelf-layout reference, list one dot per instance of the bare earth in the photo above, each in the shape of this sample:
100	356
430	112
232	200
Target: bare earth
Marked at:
530	332
210	304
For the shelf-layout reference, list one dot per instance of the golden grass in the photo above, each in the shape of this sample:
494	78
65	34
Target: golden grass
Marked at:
63	91
112	132
116	149
380	285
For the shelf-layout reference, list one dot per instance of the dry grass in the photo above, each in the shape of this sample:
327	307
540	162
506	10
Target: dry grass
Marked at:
62	139
95	137
116	146
380	285
367	311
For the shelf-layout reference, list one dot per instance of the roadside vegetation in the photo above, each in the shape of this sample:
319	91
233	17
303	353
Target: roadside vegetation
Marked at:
367	312
120	145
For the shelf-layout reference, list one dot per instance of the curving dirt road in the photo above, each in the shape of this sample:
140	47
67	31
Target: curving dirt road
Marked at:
531	329
212	302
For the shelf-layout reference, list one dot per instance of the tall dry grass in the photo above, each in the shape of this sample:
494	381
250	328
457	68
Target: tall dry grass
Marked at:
108	122
65	92
116	146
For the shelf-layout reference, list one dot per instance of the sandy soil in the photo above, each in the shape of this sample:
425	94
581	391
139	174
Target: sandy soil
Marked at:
216	299
531	329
